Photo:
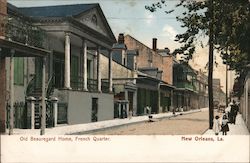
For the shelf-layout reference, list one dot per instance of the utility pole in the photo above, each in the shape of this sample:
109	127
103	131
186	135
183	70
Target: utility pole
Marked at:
210	65
43	117
11	78
226	85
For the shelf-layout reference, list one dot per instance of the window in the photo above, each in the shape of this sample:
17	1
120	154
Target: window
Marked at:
19	71
74	72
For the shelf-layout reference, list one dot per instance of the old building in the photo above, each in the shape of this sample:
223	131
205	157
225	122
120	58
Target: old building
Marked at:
18	45
154	82
202	88
76	38
186	94
218	94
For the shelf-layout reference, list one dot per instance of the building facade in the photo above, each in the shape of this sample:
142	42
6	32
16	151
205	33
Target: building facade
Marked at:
77	37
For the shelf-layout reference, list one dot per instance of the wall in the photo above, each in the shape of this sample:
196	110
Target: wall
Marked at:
80	105
145	53
19	90
167	74
118	70
149	58
3	11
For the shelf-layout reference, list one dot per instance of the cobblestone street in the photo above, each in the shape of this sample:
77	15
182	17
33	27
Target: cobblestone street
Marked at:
195	123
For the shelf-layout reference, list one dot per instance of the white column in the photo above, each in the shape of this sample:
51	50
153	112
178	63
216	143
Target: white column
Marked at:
99	81
11	93
67	62
85	68
110	73
134	103
43	117
159	98
31	107
54	101
127	102
172	101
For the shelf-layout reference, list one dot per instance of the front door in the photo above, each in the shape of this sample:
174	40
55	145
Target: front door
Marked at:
94	116
38	73
58	68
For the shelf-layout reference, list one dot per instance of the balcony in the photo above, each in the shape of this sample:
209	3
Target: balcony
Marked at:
22	31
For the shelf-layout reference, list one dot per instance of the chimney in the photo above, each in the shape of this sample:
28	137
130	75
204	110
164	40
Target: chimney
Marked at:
3	14
154	44
121	38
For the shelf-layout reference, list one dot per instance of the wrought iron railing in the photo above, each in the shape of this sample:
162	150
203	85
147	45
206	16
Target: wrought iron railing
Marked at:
76	83
105	86
51	86
23	31
31	86
92	85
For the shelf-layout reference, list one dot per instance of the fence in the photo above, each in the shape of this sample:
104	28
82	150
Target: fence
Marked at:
20	115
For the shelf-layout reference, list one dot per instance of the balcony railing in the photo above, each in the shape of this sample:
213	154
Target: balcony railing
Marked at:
92	84
21	30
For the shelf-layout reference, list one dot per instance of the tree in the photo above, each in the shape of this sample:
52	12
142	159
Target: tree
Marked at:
225	22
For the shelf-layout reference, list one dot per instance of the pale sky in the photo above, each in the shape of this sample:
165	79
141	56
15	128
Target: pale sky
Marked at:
131	17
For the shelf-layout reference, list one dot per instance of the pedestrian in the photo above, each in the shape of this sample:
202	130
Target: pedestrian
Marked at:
216	125
234	111
224	125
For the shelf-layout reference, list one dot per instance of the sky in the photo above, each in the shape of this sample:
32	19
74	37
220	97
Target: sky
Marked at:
131	17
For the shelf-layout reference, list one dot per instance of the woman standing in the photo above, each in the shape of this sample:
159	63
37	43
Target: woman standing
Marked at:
224	125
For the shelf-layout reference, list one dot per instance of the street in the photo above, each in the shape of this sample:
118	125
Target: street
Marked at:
189	124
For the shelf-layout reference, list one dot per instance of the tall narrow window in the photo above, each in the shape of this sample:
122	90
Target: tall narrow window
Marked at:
19	71
74	72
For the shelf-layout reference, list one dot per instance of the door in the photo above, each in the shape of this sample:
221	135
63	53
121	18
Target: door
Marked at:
130	99
58	69
38	73
94	116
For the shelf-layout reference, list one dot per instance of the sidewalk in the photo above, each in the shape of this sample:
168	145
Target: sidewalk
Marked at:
96	126
234	129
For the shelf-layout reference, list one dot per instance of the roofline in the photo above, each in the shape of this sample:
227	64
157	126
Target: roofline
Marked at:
60	5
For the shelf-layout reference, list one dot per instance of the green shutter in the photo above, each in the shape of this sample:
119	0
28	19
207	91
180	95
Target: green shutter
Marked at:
18	71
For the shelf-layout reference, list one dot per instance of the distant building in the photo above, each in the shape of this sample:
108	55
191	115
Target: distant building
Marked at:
154	81
218	95
186	93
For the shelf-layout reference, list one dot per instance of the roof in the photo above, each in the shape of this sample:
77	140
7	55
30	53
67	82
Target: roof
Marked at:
57	11
119	46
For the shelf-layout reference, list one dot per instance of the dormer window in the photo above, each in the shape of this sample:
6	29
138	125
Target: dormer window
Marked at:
94	19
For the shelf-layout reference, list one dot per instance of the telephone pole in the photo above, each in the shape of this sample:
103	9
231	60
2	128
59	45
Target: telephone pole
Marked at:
210	65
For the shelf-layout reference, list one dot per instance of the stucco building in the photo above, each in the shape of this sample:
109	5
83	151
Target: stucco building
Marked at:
76	37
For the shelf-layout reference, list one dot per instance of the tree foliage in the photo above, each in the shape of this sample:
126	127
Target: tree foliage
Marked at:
231	28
